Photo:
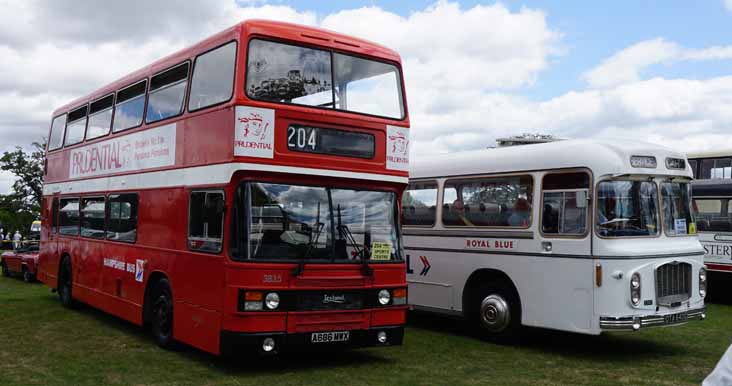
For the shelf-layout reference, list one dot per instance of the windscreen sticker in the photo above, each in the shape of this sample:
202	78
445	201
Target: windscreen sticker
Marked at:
692	228
680	226
397	148
380	251
254	132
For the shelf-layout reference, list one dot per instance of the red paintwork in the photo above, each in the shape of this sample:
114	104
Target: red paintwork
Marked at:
204	285
18	261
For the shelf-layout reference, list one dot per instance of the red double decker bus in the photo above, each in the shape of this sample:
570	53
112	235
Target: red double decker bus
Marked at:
243	192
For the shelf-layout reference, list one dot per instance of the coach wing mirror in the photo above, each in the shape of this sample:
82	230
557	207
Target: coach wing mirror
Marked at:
582	199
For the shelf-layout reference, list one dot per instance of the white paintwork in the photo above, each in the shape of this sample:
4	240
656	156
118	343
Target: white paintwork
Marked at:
555	292
196	176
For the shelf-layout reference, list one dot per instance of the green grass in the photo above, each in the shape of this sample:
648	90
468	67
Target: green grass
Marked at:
42	343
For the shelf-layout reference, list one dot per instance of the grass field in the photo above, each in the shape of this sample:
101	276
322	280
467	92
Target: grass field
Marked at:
42	343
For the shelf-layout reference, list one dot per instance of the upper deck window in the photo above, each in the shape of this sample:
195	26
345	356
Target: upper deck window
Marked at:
716	168
57	132
130	106
100	117
213	77
76	126
287	73
167	92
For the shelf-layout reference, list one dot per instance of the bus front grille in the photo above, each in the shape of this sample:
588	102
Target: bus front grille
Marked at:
673	283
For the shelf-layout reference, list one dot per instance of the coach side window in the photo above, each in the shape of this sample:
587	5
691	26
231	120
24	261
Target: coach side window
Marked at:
69	217
100	117
495	202
213	77
122	217
713	214
716	168
419	204
76	126
92	217
206	221
58	126
129	107
167	92
564	210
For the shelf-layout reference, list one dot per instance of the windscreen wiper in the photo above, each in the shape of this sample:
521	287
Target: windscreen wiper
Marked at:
345	233
318	228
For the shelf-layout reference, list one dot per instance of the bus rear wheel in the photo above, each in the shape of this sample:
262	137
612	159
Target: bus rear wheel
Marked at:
497	312
162	315
65	283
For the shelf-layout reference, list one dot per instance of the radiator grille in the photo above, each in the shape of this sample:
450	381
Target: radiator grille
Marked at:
673	283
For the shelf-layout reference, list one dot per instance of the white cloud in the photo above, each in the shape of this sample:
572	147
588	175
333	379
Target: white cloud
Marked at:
727	5
627	65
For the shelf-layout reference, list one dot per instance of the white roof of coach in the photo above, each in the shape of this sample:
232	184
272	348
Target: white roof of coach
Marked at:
601	156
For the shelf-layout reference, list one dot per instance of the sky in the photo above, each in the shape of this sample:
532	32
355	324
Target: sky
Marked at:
657	71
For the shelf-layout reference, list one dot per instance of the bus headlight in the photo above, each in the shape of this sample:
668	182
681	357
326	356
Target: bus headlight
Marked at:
635	288
272	300
702	282
384	297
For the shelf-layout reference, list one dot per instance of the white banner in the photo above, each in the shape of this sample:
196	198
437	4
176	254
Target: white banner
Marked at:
397	148
254	132
142	150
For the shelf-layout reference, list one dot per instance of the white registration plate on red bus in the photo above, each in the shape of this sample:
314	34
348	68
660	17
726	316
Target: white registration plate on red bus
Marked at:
328	337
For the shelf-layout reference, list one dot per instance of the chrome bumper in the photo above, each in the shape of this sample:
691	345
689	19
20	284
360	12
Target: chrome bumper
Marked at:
635	323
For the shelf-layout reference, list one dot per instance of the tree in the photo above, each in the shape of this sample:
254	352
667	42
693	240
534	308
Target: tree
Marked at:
28	168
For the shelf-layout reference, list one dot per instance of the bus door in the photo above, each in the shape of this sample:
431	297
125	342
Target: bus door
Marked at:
565	247
50	234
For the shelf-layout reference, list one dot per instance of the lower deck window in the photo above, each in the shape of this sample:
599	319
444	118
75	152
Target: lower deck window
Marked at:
122	224
69	217
206	221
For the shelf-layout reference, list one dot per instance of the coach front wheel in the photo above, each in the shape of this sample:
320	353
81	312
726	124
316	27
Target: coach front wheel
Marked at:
497	313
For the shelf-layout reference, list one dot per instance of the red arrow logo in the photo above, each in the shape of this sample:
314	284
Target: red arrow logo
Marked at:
426	266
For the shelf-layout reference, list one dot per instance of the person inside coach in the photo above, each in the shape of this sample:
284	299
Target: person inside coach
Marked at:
520	214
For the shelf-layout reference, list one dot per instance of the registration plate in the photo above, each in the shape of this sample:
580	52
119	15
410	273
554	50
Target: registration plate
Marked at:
675	318
327	337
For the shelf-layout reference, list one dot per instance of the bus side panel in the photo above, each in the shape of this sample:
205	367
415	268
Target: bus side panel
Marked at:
717	250
555	292
48	258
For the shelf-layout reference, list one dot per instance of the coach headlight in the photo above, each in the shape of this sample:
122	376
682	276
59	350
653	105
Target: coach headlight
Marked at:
702	282
272	300
635	288
384	297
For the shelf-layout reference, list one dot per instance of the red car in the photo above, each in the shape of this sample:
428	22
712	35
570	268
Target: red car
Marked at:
21	261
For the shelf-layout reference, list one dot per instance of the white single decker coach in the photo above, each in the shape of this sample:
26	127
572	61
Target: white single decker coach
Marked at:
578	235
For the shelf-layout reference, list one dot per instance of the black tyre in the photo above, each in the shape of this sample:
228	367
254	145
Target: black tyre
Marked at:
6	273
27	276
496	312
65	284
161	315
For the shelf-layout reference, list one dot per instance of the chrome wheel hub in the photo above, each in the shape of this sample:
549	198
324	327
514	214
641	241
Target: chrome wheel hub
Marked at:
495	314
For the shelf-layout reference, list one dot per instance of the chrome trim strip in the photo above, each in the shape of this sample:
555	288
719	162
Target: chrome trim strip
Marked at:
611	323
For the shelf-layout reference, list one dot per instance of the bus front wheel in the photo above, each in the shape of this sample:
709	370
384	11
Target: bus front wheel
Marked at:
497	314
162	315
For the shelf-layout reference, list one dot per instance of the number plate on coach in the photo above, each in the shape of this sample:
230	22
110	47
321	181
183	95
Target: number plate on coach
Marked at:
327	337
675	318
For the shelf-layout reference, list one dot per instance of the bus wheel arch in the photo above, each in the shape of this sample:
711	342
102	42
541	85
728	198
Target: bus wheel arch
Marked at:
492	304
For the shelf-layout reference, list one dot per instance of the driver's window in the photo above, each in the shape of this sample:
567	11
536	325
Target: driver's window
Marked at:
564	204
206	221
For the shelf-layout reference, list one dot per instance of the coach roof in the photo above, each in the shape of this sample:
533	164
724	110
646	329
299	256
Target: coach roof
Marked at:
601	156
